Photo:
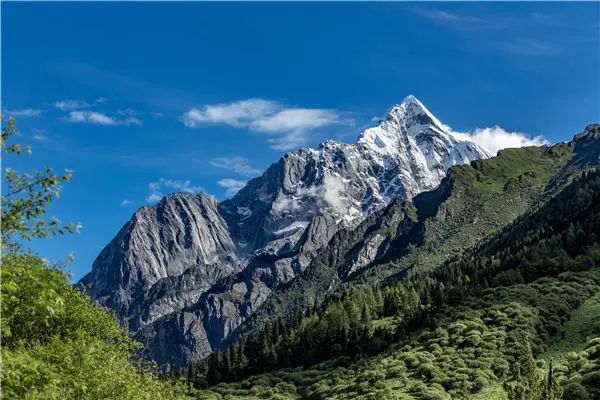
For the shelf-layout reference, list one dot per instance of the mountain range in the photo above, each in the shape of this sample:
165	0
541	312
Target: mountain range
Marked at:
190	275
185	273
490	289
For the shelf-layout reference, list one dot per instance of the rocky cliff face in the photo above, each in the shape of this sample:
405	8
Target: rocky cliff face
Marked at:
187	272
406	153
180	243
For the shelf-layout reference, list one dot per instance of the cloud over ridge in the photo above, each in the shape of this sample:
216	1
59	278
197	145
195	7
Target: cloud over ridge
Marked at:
496	138
287	127
162	185
237	164
232	186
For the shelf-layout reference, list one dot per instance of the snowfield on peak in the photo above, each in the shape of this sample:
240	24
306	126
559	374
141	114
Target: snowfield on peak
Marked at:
408	152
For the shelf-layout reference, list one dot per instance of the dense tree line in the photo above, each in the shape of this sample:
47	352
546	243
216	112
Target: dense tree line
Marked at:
469	349
560	236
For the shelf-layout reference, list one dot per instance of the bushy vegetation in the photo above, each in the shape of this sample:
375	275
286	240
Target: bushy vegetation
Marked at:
561	236
56	344
471	205
577	348
486	340
511	292
582	372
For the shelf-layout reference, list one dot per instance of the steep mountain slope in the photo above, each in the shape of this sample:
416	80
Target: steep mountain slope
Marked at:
407	153
180	242
472	203
456	331
188	271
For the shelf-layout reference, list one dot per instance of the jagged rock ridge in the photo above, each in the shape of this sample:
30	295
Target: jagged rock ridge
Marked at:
186	272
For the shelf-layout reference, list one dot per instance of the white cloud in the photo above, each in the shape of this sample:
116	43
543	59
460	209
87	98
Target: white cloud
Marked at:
232	185
90	116
287	127
94	117
25	113
329	194
296	118
39	134
446	16
531	47
159	187
127	111
239	165
333	193
125	202
154	197
496	138
238	113
67	105
101	100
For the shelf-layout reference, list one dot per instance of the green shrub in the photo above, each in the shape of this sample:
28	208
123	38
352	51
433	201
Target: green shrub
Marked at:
58	345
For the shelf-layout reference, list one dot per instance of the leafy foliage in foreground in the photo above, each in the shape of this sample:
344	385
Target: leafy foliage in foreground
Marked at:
26	196
56	344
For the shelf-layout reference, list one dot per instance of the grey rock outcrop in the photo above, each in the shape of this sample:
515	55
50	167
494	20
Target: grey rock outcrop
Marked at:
180	242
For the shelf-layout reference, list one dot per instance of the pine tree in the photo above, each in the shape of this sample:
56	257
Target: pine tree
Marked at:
552	390
527	384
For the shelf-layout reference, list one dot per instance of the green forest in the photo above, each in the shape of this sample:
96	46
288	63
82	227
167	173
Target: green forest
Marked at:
507	309
454	331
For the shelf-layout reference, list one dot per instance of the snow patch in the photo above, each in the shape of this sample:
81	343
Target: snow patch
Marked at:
244	212
292	227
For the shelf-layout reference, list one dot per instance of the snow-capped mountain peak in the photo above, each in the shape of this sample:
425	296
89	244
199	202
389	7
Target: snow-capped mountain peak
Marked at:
406	153
174	255
405	120
411	111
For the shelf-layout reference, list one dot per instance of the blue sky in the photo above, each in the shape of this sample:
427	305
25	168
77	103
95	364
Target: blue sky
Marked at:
145	99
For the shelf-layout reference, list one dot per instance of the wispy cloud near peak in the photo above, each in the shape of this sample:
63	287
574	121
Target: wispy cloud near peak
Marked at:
162	185
287	127
239	165
232	186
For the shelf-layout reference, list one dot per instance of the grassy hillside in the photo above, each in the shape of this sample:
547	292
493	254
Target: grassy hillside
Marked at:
448	332
575	334
482	198
467	353
472	204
